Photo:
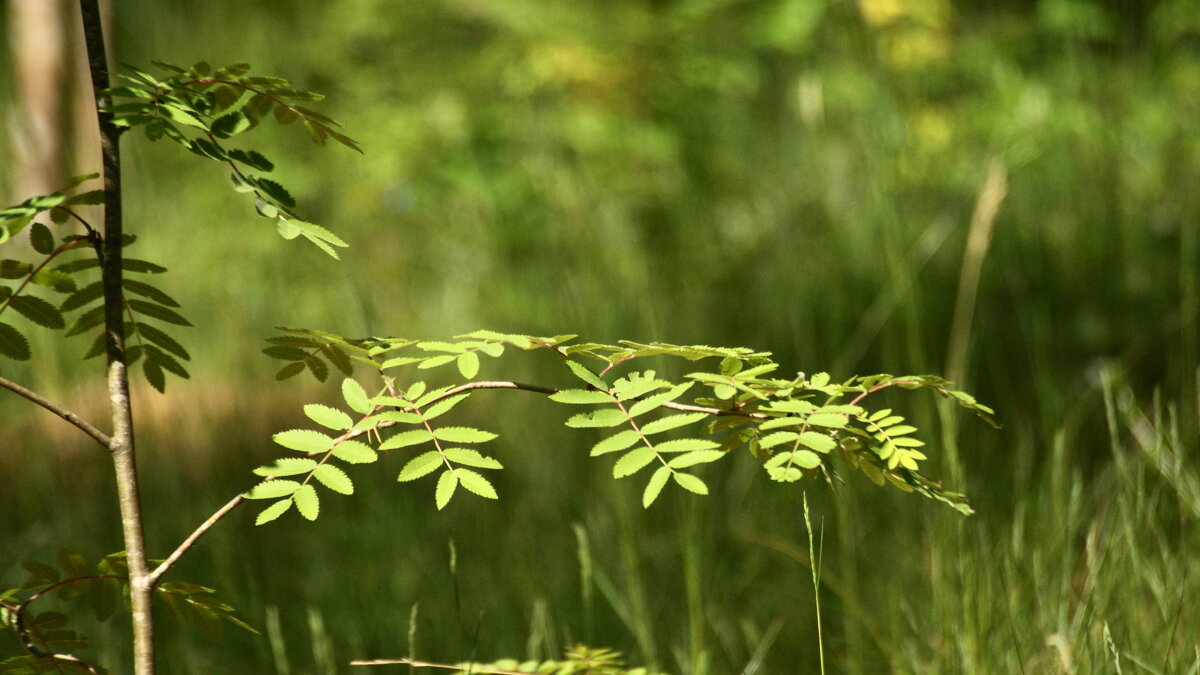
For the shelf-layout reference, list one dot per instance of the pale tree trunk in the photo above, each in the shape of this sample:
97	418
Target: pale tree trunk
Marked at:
37	47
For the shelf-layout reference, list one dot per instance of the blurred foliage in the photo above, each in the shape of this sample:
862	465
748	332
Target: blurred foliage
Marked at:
680	171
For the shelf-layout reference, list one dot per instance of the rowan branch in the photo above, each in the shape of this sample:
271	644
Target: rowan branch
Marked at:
62	412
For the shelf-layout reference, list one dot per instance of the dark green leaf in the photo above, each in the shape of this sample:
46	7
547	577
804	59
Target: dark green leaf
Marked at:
55	280
166	361
154	375
290	370
83	296
161	339
317	367
159	312
230	125
14	269
41	238
13	344
251	159
146	290
38	311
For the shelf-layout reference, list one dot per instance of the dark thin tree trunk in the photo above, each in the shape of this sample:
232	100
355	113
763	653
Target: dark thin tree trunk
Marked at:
122	447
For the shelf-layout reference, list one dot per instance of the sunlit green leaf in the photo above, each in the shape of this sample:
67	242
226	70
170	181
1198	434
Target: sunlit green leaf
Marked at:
605	417
356	398
405	439
287	466
307	502
273	489
633	461
304	440
690	483
330	418
447	482
587	376
580	396
671	422
655	486
618	441
686	445
421	465
471	457
463	435
355	452
334	478
476	483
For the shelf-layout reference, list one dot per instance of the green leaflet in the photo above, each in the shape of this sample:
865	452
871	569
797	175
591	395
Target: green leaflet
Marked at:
330	418
690	483
463	435
618	441
334	478
273	511
468	366
307	502
605	417
696	457
421	465
272	489
447	482
655	486
633	461
38	311
287	466
356	398
831	420
435	361
580	396
671	422
476	483
405	439
471	457
587	376
304	440
441	407
771	440
652	402
13	344
686	445
355	452
817	441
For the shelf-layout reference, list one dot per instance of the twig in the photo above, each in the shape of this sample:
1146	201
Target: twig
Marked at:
62	412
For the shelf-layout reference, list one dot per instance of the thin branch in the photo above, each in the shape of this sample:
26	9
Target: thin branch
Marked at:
62	412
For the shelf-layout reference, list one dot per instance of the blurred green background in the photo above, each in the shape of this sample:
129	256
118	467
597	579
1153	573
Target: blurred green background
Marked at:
796	176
